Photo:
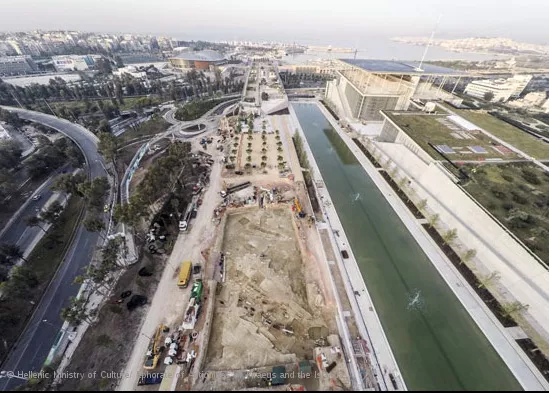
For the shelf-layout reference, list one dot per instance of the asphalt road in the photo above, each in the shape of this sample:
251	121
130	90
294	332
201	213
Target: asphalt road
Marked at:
37	340
17	231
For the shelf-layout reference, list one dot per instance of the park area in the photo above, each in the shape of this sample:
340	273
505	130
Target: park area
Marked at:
450	138
268	311
518	196
510	134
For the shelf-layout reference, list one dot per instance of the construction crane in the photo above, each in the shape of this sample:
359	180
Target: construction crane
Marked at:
357	51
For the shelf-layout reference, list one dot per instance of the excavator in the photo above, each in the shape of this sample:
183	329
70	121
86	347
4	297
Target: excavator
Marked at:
298	210
153	353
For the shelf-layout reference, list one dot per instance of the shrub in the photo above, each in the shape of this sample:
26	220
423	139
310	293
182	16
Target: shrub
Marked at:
519	198
507	177
530	176
507	206
498	193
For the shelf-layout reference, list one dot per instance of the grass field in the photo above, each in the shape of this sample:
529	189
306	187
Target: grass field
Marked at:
518	195
510	134
428	128
151	127
43	261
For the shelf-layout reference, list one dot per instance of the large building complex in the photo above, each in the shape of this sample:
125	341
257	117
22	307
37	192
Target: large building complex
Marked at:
73	62
16	65
502	89
201	60
364	87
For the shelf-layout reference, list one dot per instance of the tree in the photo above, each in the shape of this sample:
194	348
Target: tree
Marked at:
68	183
468	256
103	66
34	221
10	154
108	145
104	127
449	236
264	96
488	96
263	158
94	224
487	280
119	62
76	312
280	158
513	308
433	220
249	158
421	205
12	253
52	212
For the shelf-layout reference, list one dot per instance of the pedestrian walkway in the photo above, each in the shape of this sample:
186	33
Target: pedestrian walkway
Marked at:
368	322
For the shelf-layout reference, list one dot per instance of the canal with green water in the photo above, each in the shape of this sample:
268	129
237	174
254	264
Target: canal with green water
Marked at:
435	342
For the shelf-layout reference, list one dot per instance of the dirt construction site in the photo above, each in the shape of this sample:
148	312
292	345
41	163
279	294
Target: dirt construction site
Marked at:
265	313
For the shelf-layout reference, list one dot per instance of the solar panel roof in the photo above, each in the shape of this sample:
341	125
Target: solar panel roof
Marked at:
398	67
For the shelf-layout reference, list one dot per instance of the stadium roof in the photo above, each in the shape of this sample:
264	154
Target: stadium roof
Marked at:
397	67
203	55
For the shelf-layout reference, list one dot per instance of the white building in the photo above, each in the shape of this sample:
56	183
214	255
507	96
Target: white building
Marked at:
138	73
16	65
73	62
502	89
4	135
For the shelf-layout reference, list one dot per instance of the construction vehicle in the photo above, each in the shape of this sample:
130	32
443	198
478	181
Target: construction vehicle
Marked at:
235	188
298	210
153	352
193	308
150	379
185	274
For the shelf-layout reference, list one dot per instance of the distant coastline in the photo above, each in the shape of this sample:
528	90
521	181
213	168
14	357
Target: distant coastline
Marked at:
480	45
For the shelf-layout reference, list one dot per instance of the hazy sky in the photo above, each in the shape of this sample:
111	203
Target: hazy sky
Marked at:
337	22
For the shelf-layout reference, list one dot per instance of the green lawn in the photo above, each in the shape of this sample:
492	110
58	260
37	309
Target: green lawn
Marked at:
510	134
519	204
428	128
43	261
151	127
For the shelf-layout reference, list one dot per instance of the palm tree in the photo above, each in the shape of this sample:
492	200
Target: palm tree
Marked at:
263	150
280	158
249	151
248	165
235	144
264	143
277	137
33	221
12	252
263	158
249	158
249	145
279	149
263	164
232	158
234	151
277	132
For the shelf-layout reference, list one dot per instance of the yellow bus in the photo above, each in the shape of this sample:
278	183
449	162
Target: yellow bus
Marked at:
185	274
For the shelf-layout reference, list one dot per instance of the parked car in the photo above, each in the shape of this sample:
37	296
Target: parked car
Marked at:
36	197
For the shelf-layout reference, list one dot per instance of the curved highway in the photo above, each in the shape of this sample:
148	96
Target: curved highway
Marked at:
34	345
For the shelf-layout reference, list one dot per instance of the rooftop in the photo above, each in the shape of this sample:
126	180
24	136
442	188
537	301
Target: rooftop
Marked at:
453	136
203	55
397	67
